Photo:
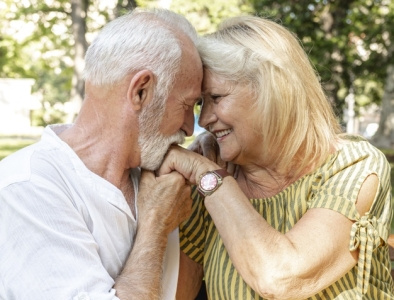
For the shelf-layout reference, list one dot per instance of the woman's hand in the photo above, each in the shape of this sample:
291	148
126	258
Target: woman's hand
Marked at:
206	145
189	164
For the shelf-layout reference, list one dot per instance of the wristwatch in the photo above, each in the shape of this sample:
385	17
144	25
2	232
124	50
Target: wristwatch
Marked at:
211	181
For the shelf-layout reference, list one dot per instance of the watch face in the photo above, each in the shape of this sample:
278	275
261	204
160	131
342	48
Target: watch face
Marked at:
209	182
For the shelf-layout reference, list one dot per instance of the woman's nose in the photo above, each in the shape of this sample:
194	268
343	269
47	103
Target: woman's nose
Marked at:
207	115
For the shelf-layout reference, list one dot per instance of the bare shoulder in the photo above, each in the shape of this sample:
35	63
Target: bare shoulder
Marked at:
367	194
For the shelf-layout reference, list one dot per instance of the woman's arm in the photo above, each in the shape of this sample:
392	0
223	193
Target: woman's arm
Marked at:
189	279
295	265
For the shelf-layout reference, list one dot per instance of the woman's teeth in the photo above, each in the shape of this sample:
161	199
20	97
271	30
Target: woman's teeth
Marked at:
219	134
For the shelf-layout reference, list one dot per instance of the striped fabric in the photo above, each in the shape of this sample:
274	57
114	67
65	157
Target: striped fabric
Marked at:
335	185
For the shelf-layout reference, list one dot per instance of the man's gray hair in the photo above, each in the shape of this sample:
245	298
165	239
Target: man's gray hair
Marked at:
141	39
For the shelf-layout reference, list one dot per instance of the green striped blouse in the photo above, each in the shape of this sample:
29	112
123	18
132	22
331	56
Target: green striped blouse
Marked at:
335	185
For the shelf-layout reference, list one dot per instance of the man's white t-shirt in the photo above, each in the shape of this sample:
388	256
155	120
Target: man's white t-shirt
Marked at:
65	232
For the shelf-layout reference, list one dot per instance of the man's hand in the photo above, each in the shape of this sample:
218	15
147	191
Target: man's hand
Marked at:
165	200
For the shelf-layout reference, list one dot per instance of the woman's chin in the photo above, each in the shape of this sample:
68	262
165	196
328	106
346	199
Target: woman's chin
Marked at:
226	156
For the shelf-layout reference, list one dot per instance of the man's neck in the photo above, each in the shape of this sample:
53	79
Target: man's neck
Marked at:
103	154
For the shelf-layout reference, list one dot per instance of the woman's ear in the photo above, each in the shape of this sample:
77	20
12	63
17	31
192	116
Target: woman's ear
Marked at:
141	88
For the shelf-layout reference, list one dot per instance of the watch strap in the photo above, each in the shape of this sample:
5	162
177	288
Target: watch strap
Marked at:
222	172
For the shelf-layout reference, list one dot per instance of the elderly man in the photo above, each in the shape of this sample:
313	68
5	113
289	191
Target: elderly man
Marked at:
78	217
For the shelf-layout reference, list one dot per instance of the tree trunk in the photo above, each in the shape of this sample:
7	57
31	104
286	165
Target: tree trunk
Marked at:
78	16
124	6
384	137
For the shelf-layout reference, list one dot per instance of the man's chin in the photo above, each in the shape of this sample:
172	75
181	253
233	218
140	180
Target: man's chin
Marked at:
179	139
154	160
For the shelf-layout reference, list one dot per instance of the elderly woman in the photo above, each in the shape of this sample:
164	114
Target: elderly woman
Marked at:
307	213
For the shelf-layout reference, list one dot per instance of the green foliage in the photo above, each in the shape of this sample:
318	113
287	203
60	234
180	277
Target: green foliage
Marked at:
205	15
38	40
346	40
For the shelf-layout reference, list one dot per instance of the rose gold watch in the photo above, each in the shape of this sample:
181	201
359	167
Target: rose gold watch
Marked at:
211	181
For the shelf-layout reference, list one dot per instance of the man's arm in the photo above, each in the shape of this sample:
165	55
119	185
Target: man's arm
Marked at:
163	202
141	276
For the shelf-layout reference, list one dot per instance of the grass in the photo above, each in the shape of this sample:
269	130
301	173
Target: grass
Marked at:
9	145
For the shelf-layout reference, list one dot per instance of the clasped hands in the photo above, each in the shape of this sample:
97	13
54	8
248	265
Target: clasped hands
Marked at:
201	156
165	195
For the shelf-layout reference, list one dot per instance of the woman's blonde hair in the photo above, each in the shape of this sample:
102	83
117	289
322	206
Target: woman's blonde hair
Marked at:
296	121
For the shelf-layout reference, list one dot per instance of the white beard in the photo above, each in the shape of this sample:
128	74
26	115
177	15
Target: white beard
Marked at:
153	144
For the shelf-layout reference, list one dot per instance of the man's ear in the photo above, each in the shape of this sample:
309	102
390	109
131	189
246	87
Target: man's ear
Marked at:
141	89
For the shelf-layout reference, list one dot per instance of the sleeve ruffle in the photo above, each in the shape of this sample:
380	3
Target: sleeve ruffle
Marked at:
364	236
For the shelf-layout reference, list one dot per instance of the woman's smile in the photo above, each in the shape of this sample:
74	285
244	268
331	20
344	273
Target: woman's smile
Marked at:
220	134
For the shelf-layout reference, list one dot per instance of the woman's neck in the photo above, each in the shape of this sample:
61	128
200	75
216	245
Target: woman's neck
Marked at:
257	182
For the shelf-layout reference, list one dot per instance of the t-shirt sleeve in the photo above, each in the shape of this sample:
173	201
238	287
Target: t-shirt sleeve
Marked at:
192	231
47	252
337	188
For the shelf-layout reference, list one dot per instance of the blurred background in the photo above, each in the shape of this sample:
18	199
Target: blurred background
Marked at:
43	42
